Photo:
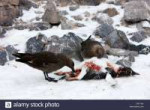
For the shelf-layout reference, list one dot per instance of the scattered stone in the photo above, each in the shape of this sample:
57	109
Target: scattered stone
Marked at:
103	30
74	7
69	44
145	50
121	52
117	39
111	12
10	50
144	26
111	1
63	3
62	13
2	32
78	17
36	44
69	24
38	18
27	4
102	18
131	58
33	26
89	2
141	49
120	2
51	14
87	14
42	26
138	36
3	56
124	63
9	9
136	11
78	2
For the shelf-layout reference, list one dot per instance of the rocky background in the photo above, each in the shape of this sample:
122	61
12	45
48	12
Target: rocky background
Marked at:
136	13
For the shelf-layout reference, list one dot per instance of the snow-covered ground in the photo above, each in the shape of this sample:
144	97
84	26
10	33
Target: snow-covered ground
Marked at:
19	81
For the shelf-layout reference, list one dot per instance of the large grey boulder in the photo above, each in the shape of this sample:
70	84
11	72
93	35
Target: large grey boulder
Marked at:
69	44
36	44
103	30
136	11
117	39
113	38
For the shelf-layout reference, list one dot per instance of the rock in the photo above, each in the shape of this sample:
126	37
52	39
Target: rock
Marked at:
117	39
62	13
3	56
74	7
51	17
65	2
78	2
138	36
102	18
131	58
78	17
27	4
2	32
124	63
87	14
42	26
7	14
121	52
141	49
51	14
111	1
144	26
6	54
136	11
10	50
69	24
10	9
121	2
145	50
69	44
89	2
111	12
33	26
11	2
103	30
36	44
